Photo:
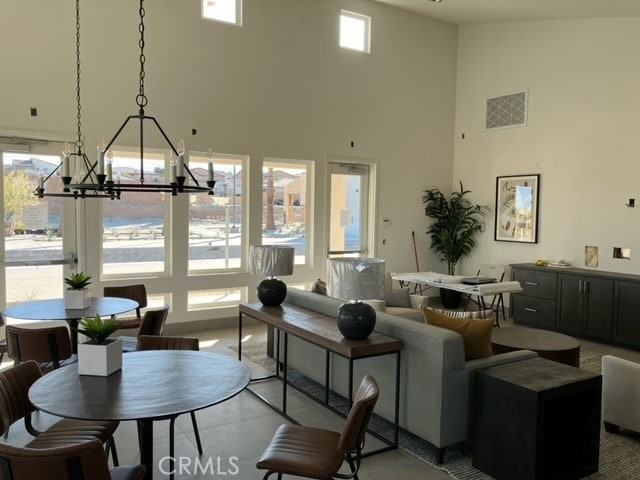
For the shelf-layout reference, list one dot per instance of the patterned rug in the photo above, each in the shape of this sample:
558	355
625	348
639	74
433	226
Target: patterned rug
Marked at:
619	454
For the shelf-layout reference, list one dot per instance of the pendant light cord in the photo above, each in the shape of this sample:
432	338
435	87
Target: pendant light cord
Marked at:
79	142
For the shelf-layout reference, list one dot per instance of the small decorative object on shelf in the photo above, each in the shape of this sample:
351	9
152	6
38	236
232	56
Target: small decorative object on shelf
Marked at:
101	355
77	296
356	320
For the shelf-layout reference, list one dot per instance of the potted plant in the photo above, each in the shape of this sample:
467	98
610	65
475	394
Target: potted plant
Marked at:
456	222
100	355
77	296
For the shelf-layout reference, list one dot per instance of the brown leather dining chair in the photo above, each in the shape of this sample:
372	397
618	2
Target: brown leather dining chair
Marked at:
317	453
152	323
50	347
153	342
15	405
136	292
80	461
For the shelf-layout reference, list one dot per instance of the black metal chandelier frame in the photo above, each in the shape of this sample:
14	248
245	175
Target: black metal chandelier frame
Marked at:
95	183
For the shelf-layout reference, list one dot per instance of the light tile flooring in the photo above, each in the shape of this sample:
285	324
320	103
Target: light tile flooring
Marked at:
235	433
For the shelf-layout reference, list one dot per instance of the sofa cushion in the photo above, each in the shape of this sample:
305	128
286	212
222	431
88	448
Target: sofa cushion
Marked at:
397	297
476	333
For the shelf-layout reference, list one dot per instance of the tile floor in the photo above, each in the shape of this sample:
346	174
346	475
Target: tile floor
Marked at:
235	433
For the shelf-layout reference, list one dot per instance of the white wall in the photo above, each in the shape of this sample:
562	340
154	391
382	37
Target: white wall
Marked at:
277	87
581	137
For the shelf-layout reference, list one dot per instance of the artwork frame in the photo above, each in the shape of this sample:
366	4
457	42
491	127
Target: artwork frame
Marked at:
517	199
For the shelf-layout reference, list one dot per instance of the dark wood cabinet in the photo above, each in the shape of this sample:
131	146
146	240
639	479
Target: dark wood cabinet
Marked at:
626	324
536	305
585	305
580	302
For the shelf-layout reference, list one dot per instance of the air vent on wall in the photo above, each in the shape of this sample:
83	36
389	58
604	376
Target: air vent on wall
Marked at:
508	110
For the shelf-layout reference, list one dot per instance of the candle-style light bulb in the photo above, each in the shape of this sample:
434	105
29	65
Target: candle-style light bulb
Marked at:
101	147
109	166
210	165
180	166
66	151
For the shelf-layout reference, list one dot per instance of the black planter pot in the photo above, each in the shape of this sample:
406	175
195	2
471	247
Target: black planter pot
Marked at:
450	298
356	320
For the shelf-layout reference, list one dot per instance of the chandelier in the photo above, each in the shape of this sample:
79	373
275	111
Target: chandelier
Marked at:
95	180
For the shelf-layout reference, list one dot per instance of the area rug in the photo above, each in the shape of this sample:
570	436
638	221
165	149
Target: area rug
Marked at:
619	454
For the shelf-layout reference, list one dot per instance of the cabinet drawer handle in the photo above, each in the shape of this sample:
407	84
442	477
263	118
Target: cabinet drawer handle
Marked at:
533	310
534	284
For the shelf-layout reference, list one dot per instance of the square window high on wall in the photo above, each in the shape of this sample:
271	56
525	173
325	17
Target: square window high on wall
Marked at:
355	31
226	11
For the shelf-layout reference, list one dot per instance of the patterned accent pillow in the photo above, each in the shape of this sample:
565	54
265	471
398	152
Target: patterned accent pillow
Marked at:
466	315
397	297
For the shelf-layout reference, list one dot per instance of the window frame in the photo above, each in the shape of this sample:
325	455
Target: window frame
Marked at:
244	161
367	31
238	13
309	167
133	153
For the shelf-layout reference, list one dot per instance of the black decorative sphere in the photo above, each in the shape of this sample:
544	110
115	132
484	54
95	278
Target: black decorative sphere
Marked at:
356	320
271	292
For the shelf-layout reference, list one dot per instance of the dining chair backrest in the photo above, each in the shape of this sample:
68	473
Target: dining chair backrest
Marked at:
153	321
44	345
78	461
136	292
496	271
152	342
14	393
355	426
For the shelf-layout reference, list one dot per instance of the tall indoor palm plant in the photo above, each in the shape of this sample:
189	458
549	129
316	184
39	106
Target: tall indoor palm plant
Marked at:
456	221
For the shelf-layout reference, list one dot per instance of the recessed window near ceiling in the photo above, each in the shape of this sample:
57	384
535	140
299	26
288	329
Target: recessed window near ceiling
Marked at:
355	31
226	11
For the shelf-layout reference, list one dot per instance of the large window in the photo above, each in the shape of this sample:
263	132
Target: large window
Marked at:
226	11
216	221
134	227
355	31
32	229
286	195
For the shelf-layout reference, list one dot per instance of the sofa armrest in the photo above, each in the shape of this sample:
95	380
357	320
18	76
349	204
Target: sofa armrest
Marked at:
473	366
499	359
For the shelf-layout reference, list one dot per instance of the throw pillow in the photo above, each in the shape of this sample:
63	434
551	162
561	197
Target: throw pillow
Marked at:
319	287
471	314
476	333
397	297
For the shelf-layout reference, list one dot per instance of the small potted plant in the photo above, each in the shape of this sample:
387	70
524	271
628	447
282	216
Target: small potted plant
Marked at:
77	296
100	355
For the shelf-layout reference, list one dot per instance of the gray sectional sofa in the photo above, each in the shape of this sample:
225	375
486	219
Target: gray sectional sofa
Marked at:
436	383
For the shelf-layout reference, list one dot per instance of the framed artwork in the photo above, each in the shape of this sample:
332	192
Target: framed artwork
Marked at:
517	208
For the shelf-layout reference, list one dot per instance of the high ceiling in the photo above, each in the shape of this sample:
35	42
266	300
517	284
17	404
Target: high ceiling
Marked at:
489	11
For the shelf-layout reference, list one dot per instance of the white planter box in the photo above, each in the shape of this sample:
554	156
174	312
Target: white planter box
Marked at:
77	299
100	360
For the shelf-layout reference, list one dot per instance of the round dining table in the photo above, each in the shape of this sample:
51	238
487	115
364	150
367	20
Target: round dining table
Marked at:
53	309
152	385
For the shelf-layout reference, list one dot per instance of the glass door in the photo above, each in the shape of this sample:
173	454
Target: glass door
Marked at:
351	207
32	238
